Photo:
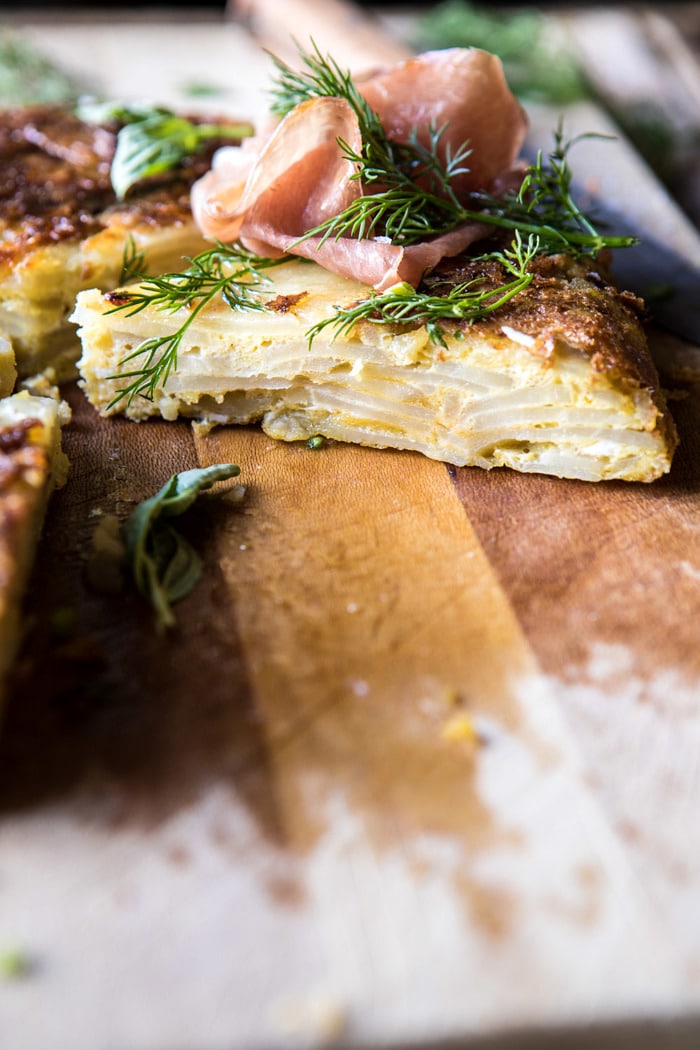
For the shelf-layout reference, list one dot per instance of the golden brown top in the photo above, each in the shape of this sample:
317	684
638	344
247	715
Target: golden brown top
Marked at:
570	301
21	458
55	181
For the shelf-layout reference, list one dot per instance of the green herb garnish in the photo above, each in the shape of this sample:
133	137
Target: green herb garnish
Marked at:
133	262
416	199
544	206
464	301
322	77
152	139
395	165
165	566
229	272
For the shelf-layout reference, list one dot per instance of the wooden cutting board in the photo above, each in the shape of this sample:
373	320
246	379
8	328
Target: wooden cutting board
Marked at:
419	765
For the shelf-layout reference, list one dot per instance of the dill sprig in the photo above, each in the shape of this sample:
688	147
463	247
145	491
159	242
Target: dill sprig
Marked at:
415	196
402	209
544	205
321	77
226	271
381	159
468	300
133	262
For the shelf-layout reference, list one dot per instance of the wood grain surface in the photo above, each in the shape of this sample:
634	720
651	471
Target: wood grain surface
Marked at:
417	767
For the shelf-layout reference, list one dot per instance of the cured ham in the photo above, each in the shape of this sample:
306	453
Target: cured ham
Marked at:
462	90
271	193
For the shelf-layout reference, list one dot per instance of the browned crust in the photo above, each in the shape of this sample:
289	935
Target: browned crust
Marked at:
55	182
19	458
24	483
572	302
282	304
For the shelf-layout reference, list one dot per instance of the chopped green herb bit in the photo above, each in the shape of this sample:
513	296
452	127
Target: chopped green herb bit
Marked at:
198	89
14	964
316	442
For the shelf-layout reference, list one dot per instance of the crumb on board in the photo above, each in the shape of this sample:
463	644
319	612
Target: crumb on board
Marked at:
322	1018
459	728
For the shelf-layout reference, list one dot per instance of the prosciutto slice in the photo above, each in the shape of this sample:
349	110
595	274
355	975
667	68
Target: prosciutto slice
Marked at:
269	193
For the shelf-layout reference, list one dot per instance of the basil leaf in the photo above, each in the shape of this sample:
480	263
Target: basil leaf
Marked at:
152	139
150	147
165	566
183	566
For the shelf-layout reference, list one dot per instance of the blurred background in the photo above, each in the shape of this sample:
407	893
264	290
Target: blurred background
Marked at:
641	62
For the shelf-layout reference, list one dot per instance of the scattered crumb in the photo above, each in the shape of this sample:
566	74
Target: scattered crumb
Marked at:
235	495
459	728
44	385
317	1018
202	427
451	697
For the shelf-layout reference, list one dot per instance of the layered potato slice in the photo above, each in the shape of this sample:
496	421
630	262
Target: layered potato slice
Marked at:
38	292
32	464
558	381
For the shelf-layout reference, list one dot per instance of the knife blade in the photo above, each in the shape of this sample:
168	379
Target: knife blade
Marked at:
616	187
